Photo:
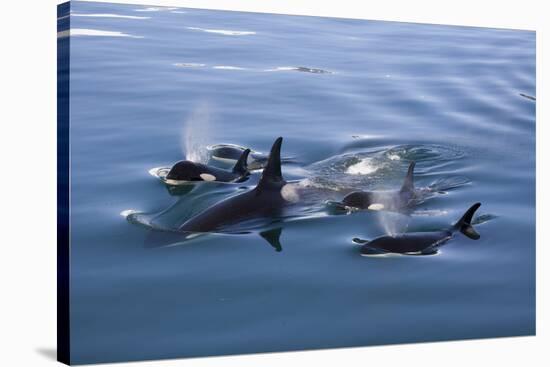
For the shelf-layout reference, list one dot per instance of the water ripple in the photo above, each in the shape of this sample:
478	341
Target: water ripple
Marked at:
224	32
373	167
94	32
108	16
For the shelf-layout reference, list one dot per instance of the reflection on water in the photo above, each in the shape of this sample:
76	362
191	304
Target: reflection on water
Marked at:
222	31
356	101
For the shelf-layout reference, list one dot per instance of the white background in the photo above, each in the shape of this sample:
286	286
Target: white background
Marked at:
28	196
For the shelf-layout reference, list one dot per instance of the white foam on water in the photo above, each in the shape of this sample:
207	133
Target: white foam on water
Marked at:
359	242
383	255
394	157
154	171
147	9
93	32
178	12
308	183
227	67
224	32
395	254
153	9
367	136
159	172
128	212
283	68
109	16
188	65
363	167
301	68
194	235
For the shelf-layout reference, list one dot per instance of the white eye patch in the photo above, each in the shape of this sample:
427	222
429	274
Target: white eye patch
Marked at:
207	177
376	206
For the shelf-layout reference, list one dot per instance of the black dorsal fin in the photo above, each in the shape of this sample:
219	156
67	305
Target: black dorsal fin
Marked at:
464	223
273	237
241	167
408	184
272	176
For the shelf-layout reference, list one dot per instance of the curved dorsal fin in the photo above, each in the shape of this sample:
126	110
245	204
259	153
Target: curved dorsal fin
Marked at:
464	224
272	172
242	166
408	184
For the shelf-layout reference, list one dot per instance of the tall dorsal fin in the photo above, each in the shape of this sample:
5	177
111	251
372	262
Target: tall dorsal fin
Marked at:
464	224
241	167
272	176
408	184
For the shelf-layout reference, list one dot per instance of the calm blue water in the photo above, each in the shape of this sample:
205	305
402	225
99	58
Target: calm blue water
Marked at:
160	85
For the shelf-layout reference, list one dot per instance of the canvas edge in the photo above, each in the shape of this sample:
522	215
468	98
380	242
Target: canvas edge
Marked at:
63	185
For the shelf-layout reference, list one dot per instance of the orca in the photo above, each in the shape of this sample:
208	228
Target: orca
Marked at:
185	171
394	200
419	243
265	200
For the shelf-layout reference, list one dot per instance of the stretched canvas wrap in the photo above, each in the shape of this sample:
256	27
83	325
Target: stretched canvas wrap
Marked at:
233	182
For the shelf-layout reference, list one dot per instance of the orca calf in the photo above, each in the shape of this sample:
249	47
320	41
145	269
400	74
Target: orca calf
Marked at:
265	200
185	171
394	200
419	243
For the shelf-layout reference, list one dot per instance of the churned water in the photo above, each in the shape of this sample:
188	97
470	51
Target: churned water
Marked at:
355	102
